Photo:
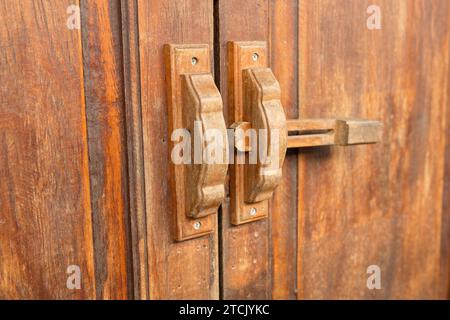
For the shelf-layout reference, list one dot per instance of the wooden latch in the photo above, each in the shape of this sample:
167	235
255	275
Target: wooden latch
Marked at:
254	102
303	133
261	136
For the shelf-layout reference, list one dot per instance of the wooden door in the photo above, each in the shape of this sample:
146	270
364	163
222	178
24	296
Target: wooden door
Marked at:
85	144
64	198
167	269
337	210
340	210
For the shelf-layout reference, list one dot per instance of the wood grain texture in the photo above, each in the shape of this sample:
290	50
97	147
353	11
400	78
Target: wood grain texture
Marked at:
104	91
340	132
379	204
283	45
245	250
355	131
45	214
241	57
259	259
135	149
445	245
162	22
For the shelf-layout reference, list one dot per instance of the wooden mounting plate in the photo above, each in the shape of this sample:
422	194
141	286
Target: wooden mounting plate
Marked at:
178	59
241	56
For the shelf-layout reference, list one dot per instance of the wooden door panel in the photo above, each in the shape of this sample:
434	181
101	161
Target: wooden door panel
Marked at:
259	258
245	250
284	44
45	214
85	159
176	270
358	206
445	246
105	116
378	204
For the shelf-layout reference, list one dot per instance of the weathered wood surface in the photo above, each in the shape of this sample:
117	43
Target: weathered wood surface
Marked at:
105	112
325	132
283	44
445	243
245	257
136	179
388	210
379	204
258	259
336	211
177	270
45	205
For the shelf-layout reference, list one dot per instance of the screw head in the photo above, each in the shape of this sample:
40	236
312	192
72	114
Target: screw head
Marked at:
194	61
253	211
255	56
197	225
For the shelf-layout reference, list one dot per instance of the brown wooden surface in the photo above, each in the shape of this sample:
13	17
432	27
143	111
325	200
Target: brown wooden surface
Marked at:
283	44
133	115
205	187
262	106
176	270
341	132
104	90
258	259
379	204
445	244
245	255
240	57
73	131
45	214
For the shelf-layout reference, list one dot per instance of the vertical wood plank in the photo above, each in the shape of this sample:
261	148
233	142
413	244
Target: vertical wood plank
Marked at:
104	90
270	244
184	270
245	249
445	245
284	64
133	115
45	215
382	204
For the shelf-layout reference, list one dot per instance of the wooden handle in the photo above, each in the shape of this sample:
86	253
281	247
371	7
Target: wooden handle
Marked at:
204	182
263	106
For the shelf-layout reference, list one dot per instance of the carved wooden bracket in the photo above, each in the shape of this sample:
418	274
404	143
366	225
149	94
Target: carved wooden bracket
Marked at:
244	56
204	182
195	105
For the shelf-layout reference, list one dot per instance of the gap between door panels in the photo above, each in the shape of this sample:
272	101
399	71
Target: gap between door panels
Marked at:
267	281
138	255
216	64
104	87
275	32
159	262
